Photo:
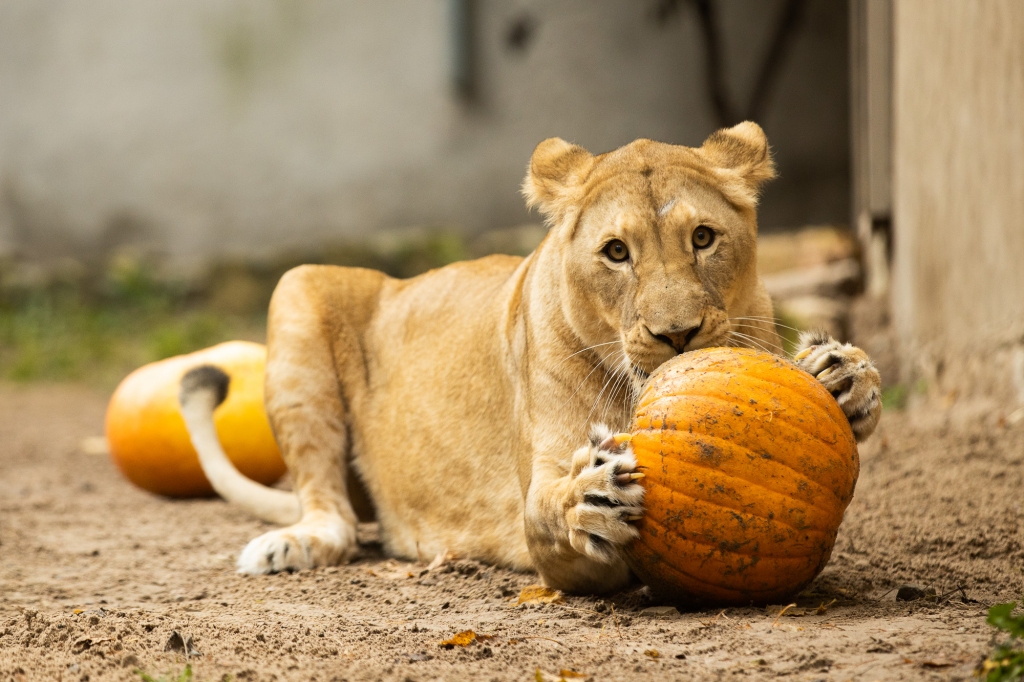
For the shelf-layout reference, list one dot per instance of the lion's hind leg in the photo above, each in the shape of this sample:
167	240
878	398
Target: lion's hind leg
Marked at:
304	403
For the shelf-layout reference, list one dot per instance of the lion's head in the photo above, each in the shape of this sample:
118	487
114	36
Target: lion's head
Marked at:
657	242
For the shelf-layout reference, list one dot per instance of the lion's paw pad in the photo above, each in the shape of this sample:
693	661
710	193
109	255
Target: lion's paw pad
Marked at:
848	374
606	496
297	548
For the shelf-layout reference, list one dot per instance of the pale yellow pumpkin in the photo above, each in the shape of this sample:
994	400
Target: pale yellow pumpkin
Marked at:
147	436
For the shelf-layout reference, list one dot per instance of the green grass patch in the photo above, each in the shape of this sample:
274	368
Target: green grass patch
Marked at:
96	325
895	397
73	333
1006	662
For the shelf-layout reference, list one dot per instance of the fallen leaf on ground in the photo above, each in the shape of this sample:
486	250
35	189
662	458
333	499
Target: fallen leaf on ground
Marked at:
563	675
538	594
182	644
938	663
464	638
441	559
823	607
653	653
782	613
880	647
86	643
398	572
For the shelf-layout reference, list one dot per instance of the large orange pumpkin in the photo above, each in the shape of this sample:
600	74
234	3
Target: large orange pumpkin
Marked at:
147	436
750	464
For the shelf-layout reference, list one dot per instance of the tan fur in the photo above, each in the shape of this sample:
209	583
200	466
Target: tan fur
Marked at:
466	399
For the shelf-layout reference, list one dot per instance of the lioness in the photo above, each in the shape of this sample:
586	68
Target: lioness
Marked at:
474	401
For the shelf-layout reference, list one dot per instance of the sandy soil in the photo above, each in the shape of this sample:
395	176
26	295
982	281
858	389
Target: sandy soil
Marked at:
95	576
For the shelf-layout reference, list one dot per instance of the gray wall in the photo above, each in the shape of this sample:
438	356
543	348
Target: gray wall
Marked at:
203	129
958	275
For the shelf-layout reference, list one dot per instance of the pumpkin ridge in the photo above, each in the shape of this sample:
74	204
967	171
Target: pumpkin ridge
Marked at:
823	399
642	412
740	510
849	471
731	551
683	392
741	594
748	482
715	356
732	444
656	492
694	578
749	374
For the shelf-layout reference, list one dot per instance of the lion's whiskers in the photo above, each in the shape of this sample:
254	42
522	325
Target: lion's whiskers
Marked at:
597	365
752	329
612	375
774	321
619	385
596	345
760	344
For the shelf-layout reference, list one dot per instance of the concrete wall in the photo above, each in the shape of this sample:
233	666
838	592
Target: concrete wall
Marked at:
958	279
204	128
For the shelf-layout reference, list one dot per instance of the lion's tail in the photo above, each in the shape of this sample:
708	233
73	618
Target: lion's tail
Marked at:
202	390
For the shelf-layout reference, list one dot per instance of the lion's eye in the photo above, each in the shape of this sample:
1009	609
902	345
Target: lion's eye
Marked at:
703	237
616	250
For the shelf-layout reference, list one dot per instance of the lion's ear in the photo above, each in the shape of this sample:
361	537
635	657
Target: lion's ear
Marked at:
556	169
743	150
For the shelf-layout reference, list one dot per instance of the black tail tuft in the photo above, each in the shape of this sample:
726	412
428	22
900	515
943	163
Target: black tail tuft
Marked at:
205	377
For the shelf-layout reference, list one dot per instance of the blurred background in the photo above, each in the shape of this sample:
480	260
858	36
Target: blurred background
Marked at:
161	164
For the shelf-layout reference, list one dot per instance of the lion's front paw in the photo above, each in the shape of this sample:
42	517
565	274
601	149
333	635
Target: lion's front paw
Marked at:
848	374
604	496
307	544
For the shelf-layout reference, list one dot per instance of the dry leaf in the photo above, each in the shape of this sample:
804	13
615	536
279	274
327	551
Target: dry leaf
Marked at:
562	676
464	638
538	594
441	559
940	663
182	643
782	613
653	653
823	607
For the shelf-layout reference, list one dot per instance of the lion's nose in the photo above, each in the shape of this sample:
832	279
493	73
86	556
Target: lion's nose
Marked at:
678	338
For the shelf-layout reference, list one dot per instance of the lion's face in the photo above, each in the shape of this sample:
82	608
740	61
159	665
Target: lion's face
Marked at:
658	242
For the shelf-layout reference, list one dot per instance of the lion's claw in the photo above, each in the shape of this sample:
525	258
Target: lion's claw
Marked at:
848	374
605	497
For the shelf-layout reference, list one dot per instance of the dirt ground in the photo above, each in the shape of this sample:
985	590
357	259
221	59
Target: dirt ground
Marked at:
95	576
